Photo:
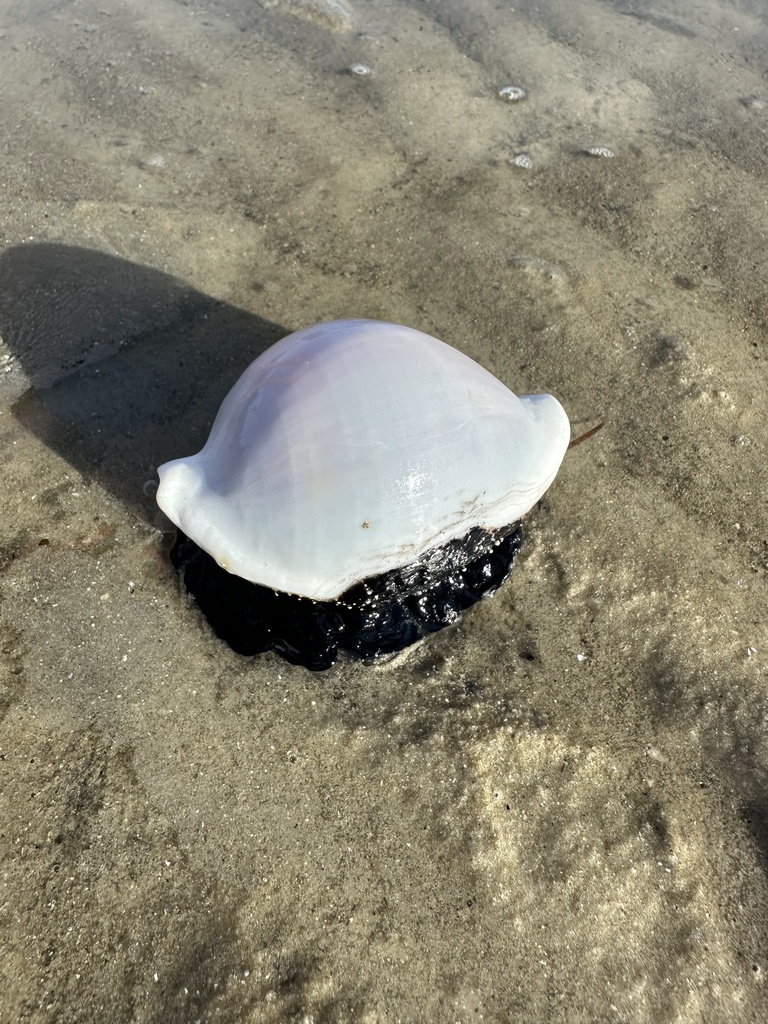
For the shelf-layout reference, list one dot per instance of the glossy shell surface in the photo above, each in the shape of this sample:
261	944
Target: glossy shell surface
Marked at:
354	447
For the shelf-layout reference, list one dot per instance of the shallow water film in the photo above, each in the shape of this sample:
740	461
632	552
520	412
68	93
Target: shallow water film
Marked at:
555	810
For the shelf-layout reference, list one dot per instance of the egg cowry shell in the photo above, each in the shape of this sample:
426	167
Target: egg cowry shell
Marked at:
354	447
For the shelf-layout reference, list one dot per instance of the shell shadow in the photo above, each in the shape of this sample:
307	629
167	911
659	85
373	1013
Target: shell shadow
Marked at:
127	365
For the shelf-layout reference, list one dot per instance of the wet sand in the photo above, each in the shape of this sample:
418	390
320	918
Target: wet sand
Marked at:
554	811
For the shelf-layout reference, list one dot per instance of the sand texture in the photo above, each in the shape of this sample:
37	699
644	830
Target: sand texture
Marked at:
555	811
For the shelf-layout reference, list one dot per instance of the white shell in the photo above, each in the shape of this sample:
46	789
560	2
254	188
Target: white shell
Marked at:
353	447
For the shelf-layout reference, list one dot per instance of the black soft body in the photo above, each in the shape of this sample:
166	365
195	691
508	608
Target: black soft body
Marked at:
380	615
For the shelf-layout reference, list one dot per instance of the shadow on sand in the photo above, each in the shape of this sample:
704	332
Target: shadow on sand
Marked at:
127	365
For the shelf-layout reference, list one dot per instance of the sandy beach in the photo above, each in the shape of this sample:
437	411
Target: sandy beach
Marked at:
554	811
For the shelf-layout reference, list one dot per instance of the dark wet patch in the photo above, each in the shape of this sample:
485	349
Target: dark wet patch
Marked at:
12	675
